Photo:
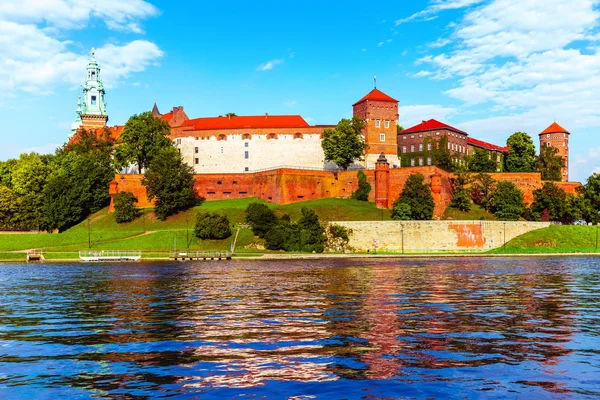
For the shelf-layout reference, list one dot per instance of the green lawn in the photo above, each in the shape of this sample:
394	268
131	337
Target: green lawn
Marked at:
476	213
556	238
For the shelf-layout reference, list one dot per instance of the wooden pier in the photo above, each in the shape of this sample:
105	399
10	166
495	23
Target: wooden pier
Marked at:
199	255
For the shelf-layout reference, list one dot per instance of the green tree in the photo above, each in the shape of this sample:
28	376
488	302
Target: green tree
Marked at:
364	188
550	164
553	200
141	140
125	209
344	144
399	129
521	153
8	209
401	212
312	233
482	162
507	202
461	199
482	190
591	191
171	182
212	226
261	218
28	178
306	235
6	168
418	196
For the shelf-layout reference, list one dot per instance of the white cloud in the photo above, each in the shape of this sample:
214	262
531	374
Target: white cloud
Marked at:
269	65
290	103
441	42
421	74
117	14
412	115
435	7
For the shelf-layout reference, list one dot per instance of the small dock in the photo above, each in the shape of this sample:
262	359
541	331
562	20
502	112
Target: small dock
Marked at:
34	256
109	255
199	255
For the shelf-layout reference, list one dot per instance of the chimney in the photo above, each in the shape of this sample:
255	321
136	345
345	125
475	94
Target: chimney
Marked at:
228	116
266	115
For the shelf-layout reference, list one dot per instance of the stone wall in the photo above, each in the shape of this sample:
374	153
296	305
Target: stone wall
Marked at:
417	236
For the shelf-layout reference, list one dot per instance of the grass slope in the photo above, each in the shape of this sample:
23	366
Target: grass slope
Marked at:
556	238
474	214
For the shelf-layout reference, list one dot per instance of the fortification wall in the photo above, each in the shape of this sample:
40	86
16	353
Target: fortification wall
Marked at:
416	236
530	181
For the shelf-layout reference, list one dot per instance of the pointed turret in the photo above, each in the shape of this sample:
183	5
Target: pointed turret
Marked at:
155	111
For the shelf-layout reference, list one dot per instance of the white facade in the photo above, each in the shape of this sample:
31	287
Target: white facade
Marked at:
238	153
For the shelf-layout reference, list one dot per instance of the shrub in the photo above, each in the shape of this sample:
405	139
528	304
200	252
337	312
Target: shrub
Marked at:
507	202
418	196
401	212
338	231
261	218
364	188
307	235
461	199
125	209
212	226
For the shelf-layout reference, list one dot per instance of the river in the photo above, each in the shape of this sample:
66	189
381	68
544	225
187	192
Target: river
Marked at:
328	329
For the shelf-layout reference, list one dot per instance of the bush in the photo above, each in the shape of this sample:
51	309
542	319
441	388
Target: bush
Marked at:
507	202
307	235
461	199
418	196
338	231
125	209
401	212
364	188
212	226
261	218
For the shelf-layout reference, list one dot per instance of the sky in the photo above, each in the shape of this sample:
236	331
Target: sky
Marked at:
489	67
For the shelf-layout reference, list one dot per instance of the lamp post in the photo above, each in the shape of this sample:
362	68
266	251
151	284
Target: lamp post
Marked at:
89	234
187	234
402	234
597	226
504	237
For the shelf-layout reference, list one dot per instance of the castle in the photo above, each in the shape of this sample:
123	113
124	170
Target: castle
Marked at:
279	158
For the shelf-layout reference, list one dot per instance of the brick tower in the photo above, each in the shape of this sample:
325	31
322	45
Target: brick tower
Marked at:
558	137
382	182
380	113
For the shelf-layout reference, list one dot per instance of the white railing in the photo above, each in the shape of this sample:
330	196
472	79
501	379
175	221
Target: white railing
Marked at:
99	255
183	254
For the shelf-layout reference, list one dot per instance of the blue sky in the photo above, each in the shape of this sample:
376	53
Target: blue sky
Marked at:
490	67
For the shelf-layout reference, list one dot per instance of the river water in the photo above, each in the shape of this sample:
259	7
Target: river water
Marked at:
331	329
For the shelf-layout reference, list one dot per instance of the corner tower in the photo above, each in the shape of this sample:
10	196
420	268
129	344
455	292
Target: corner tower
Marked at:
380	113
91	112
558	137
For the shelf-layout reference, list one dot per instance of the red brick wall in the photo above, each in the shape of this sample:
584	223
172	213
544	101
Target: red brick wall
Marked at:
370	111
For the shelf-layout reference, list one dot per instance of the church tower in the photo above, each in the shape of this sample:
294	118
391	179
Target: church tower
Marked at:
380	113
558	137
91	113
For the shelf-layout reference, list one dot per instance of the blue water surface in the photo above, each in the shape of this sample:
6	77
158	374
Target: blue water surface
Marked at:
328	329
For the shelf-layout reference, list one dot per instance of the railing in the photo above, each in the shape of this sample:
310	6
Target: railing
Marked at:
106	254
199	254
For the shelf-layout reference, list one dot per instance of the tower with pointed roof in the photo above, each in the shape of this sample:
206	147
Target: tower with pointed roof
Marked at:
380	113
558	137
91	112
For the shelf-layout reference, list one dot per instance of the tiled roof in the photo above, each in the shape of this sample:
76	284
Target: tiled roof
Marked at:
486	145
168	116
431	125
554	128
247	122
376	95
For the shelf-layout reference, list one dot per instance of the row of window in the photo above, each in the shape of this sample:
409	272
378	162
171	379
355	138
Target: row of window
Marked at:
386	124
428	134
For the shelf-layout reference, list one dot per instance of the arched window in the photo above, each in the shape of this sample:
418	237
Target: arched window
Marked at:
247	136
298	136
222	137
272	136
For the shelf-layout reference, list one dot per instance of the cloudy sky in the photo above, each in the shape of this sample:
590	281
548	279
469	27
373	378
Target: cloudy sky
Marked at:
490	67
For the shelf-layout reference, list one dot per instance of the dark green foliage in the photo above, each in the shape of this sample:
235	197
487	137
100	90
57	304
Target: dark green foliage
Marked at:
461	199
141	140
171	182
550	164
401	212
507	202
364	188
261	218
28	177
307	235
344	144
418	196
6	168
591	191
555	201
481	161
8	208
338	231
212	226
125	209
521	153
482	190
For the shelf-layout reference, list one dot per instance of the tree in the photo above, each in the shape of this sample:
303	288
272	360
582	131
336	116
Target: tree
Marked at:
507	202
482	190
521	153
141	140
125	209
28	179
212	226
312	234
6	168
171	182
482	162
442	157
554	200
591	191
461	199
550	164
8	209
261	218
345	143
418	196
401	212
364	188
307	235
399	129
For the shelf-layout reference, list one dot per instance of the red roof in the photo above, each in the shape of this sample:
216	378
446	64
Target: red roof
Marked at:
248	122
486	145
554	128
431	125
376	95
168	116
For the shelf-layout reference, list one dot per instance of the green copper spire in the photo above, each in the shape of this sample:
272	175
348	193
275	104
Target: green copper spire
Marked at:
93	90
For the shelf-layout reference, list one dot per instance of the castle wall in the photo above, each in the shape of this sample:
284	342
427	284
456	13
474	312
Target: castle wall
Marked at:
426	236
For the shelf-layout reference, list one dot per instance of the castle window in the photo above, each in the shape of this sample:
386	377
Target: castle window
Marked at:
382	137
246	156
246	169
420	161
386	124
93	100
412	148
377	123
428	160
412	136
93	75
246	144
221	150
403	149
412	162
498	158
297	136
271	136
420	135
235	182
247	136
219	182
196	151
222	137
437	134
420	146
428	146
196	161
403	137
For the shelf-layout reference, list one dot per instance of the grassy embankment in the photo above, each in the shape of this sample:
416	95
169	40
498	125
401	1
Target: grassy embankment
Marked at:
555	239
156	237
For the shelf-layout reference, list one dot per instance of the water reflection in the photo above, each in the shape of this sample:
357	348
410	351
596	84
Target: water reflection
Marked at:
330	329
